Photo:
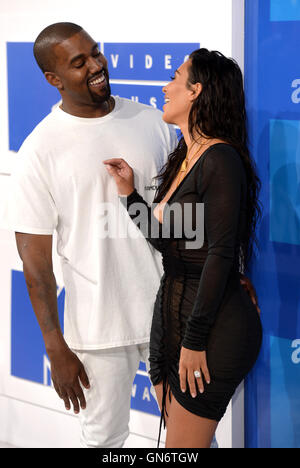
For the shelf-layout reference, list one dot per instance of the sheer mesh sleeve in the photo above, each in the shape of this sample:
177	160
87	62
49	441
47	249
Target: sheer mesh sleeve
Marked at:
143	217
221	189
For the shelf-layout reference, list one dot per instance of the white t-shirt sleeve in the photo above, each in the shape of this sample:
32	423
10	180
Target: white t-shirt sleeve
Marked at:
173	139
31	208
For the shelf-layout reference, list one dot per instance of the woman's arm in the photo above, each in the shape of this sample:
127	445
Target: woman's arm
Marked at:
139	211
221	186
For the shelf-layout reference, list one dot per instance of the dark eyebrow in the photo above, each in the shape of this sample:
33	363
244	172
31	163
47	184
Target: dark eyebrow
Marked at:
81	56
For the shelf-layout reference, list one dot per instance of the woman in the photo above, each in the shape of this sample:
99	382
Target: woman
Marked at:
206	332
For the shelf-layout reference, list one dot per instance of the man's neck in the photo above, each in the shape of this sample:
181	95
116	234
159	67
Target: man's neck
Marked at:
88	111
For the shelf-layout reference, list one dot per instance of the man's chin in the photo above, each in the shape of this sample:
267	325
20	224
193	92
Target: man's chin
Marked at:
101	98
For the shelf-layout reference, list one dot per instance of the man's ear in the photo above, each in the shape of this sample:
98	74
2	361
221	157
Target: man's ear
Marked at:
54	80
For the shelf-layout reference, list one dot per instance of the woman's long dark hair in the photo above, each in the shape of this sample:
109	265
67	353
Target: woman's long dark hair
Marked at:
219	112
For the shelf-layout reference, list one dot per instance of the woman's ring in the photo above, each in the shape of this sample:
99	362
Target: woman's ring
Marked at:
197	374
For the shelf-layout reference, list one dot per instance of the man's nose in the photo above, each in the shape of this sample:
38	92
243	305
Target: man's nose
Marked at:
95	65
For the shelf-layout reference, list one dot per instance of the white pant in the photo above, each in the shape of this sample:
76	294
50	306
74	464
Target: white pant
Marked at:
111	372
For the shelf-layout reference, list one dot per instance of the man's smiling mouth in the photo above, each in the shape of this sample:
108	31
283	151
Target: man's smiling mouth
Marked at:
98	80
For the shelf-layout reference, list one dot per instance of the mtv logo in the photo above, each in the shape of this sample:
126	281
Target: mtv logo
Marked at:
29	359
289	10
284	392
141	396
284	181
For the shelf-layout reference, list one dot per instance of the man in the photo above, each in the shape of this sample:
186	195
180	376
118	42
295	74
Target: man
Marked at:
60	184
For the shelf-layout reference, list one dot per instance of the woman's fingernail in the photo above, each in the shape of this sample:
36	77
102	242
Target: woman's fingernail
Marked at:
194	395
183	390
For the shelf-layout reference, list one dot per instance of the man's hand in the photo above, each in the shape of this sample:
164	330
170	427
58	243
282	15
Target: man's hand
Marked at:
67	373
248	286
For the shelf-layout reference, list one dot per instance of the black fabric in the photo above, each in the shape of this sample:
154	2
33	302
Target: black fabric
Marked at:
201	304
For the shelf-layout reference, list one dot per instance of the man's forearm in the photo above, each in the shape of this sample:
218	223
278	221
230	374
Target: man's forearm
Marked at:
67	371
42	289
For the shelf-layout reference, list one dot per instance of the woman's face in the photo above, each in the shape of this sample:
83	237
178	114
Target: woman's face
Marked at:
178	97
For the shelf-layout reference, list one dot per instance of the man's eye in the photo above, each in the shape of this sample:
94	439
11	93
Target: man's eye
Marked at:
78	65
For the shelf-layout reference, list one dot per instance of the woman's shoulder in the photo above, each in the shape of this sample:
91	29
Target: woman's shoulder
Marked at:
221	166
220	156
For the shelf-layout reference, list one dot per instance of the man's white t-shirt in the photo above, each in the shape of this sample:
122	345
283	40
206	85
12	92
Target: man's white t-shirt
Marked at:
60	184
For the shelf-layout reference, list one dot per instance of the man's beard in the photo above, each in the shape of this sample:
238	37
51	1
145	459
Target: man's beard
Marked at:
100	99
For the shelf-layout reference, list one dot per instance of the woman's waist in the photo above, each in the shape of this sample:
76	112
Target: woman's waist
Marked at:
175	266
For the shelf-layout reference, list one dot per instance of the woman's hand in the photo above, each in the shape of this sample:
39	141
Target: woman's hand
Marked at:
122	173
190	362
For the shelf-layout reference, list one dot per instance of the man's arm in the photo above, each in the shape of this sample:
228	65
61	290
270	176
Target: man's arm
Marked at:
66	369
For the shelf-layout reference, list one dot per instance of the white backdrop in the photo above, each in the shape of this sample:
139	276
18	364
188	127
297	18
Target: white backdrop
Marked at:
31	415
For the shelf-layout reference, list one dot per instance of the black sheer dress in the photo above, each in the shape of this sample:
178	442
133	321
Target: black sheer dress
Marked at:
201	304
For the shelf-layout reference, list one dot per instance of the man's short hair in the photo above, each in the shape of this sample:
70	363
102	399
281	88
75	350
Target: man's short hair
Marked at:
47	39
